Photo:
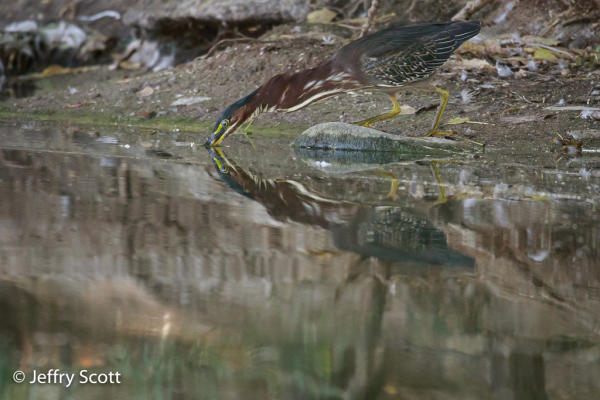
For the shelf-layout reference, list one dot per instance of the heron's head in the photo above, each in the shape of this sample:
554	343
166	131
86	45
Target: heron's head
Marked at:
231	118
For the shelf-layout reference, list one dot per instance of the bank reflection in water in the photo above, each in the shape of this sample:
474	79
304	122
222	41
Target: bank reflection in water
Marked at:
158	270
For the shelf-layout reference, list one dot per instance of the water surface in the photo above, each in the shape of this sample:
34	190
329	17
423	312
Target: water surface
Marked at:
269	272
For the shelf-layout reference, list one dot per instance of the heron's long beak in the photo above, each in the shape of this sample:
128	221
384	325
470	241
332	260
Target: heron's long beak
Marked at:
221	134
216	137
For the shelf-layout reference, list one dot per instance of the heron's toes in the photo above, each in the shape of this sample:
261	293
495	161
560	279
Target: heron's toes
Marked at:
366	124
441	133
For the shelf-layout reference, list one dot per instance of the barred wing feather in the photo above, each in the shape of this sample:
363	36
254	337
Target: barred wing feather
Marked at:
398	56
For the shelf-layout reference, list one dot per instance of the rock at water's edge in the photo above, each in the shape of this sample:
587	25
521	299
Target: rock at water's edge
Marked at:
341	136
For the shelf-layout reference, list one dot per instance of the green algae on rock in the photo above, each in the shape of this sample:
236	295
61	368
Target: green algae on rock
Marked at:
342	136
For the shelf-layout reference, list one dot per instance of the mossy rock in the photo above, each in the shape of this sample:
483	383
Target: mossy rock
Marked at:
341	136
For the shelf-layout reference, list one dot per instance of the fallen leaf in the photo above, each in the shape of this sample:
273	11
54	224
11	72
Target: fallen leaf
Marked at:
78	104
521	73
495	49
189	101
406	109
468	65
456	121
55	70
544	54
322	16
519	59
533	40
147	115
58	70
466	120
145	92
504	38
129	65
474	48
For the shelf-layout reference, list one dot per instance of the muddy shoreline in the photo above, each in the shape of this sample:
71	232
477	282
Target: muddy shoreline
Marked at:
512	113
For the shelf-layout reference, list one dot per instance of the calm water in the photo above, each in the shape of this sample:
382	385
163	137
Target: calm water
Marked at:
273	273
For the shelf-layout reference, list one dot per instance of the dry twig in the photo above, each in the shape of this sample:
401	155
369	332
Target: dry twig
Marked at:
471	8
581	19
370	16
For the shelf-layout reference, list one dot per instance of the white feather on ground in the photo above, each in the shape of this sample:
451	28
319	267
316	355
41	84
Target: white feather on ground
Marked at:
503	71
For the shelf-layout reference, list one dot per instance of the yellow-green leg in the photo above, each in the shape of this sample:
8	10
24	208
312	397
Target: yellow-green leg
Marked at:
247	133
390	114
444	96
393	189
248	124
393	180
442	198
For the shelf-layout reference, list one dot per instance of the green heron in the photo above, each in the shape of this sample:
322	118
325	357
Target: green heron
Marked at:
388	61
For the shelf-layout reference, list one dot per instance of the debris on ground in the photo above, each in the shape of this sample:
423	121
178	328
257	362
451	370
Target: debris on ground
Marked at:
144	53
405	109
458	121
189	101
145	92
571	108
58	70
78	104
147	114
26	46
591	114
108	13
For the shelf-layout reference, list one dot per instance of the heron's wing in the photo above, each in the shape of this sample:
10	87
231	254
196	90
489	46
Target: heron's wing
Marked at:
397	56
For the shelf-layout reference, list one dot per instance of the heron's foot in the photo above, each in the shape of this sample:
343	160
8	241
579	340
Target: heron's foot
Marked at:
440	133
366	123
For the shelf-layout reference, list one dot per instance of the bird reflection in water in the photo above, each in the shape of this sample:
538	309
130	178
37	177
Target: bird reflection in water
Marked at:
384	231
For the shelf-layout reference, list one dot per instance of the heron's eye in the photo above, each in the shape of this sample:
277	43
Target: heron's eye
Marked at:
224	123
